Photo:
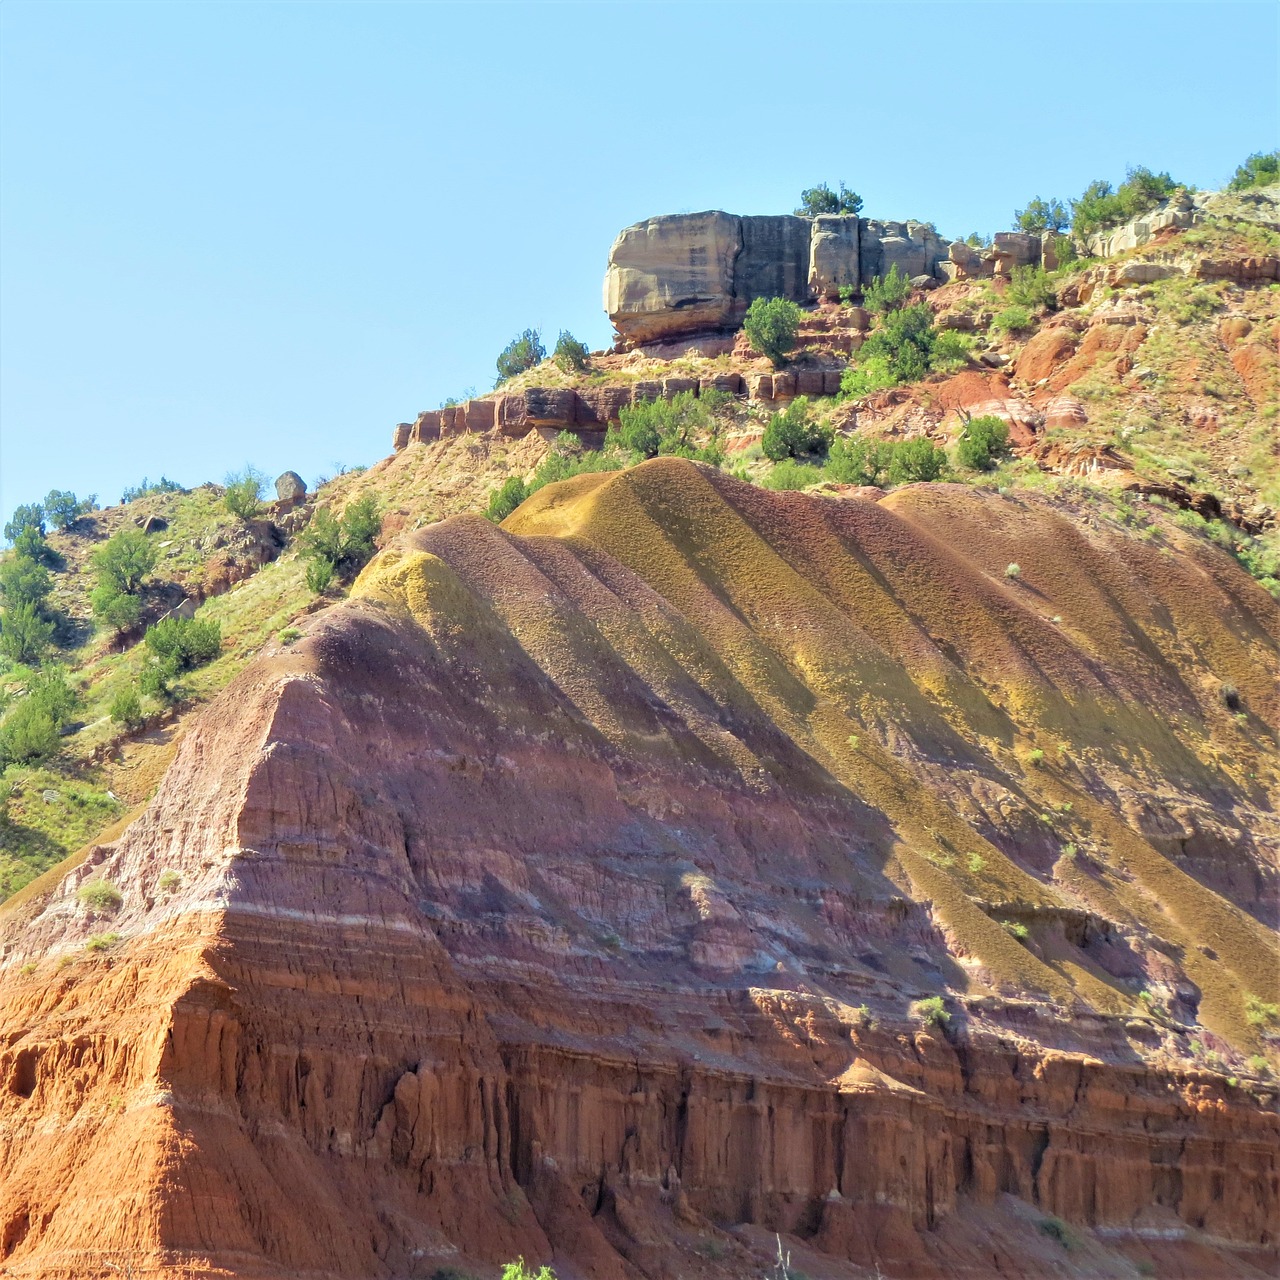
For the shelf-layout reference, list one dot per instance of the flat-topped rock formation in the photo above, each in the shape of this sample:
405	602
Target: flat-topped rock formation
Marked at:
691	272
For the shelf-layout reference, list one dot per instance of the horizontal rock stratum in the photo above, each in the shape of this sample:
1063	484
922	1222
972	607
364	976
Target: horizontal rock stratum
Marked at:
566	893
692	272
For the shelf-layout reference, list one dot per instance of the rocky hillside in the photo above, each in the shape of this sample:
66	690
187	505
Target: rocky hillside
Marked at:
720	853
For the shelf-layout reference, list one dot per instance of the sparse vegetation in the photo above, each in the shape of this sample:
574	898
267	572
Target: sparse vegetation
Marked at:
243	496
932	1010
1260	1013
519	1271
168	881
146	488
126	707
665	427
100	896
98	942
1013	319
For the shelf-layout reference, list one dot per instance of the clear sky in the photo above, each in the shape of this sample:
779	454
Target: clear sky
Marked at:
266	233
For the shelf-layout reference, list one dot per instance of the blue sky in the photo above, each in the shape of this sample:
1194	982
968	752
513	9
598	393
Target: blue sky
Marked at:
266	233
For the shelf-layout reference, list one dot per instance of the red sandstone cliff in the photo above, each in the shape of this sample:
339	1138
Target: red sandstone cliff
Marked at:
566	893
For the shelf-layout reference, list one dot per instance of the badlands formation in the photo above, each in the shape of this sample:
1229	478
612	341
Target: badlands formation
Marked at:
682	867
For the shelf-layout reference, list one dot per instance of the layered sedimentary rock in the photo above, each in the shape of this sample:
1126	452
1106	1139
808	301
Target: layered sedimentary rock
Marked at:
691	272
567	890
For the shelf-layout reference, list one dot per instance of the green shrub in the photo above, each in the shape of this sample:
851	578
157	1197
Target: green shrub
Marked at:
289	634
820	200
523	352
184	643
30	544
334	546
1031	287
794	432
63	508
932	1010
504	500
125	560
100	895
1259	1013
950	352
126	707
29	515
859	461
1017	929
25	635
24	580
790	474
887	293
904	347
519	1271
771	325
1100	206
243	497
1058	1230
113	608
319	575
1260	170
1013	319
917	459
146	488
102	941
571	355
982	442
50	691
1015	571
28	733
168	881
669	427
1042	215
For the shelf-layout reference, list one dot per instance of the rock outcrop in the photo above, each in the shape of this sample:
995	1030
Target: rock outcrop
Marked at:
567	891
692	272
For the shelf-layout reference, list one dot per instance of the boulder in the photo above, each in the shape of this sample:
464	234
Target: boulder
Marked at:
831	382
290	486
784	385
760	386
401	436
809	382
965	258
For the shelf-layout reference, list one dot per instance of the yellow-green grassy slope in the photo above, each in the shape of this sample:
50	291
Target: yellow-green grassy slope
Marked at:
1025	750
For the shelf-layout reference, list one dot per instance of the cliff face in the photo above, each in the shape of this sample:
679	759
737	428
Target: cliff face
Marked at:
567	893
694	272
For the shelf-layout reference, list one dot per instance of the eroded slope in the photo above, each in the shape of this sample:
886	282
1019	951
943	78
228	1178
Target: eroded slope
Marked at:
568	891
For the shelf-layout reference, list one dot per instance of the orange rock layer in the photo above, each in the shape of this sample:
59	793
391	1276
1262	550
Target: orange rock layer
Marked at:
567	891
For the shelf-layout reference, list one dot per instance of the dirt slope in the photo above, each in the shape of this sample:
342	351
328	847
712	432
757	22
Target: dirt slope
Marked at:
755	772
